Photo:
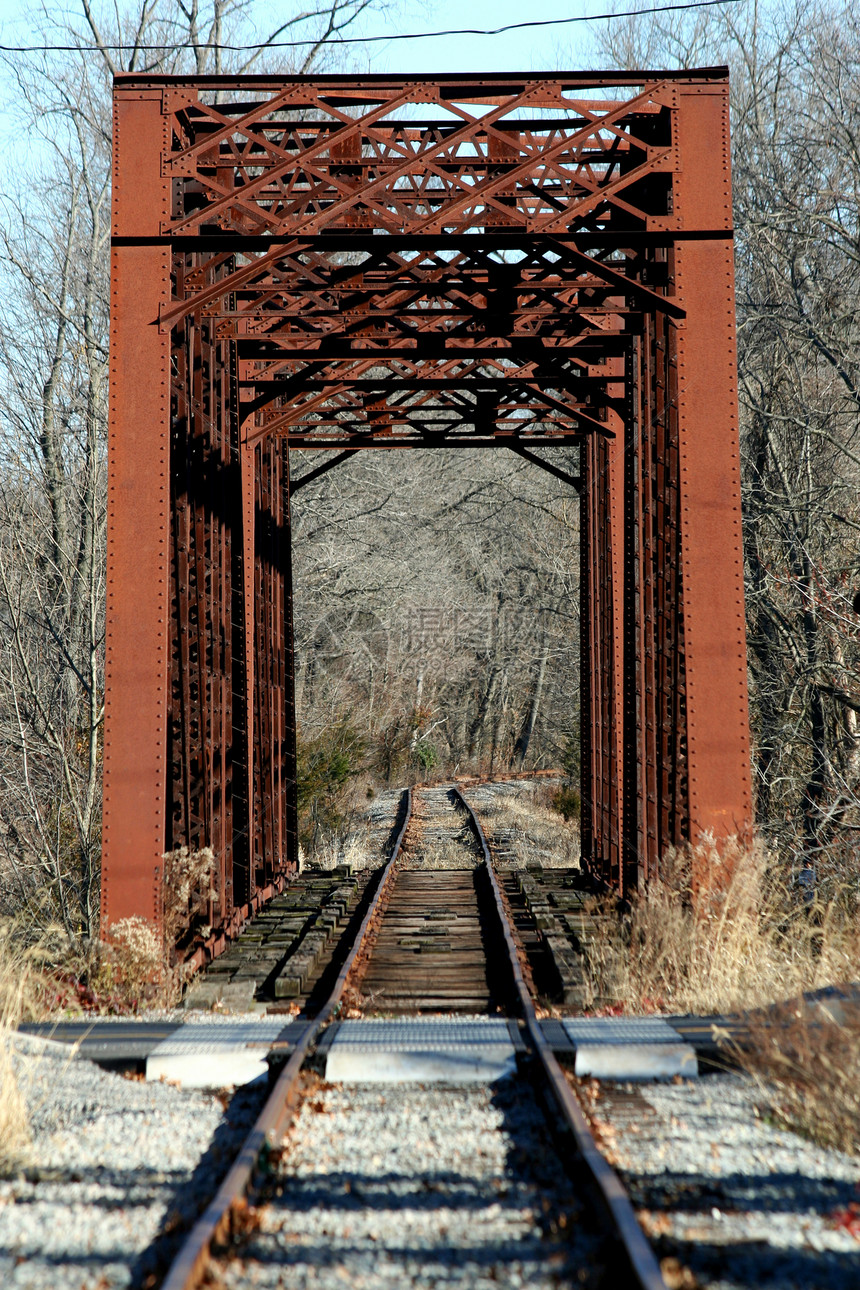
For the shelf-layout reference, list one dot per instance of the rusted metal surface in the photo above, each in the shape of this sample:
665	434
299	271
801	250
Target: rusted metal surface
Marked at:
134	830
718	766
374	262
679	744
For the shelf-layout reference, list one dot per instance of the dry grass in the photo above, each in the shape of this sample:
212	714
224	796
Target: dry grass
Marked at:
20	994
443	854
136	967
744	941
131	969
14	1129
521	818
188	887
332	851
807	1065
727	931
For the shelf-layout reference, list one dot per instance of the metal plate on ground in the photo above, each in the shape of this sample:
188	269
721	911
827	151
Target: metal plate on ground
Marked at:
207	1055
629	1048
421	1050
121	1044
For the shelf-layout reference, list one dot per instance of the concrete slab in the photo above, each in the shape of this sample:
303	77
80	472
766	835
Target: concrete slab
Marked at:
202	1055
421	1050
629	1048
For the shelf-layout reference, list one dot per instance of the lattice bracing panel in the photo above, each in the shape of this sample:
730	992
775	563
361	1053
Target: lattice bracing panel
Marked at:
430	157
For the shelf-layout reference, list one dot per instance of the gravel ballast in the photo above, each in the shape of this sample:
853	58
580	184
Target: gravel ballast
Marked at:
736	1200
113	1170
418	1187
440	1186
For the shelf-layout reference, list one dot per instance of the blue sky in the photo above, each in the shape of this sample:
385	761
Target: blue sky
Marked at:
522	50
512	51
543	48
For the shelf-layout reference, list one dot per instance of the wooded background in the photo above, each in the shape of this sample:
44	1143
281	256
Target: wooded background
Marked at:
436	593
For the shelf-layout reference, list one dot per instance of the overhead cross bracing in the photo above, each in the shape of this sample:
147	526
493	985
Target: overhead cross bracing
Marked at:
424	280
379	262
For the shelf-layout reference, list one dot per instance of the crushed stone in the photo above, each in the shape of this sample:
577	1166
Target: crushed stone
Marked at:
419	1187
114	1172
739	1202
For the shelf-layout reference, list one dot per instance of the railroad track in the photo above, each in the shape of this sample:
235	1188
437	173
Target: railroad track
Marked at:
437	938
433	948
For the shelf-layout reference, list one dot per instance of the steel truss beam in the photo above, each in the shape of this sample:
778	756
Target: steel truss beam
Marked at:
374	262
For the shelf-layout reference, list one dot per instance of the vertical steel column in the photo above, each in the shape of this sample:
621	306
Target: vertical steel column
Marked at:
601	654
607	656
615	536
289	754
639	758
656	783
717	724
589	735
602	596
204	677
136	664
239	876
266	671
248	619
275	848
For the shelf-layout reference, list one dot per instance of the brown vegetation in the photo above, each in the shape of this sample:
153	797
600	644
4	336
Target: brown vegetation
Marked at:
530	823
806	1065
20	997
138	966
751	945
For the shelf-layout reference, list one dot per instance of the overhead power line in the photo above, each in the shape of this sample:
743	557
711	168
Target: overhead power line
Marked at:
365	40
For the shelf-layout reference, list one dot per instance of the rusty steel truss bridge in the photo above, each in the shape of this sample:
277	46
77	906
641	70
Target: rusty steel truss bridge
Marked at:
332	262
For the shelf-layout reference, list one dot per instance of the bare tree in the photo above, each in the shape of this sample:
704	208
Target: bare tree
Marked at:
795	122
54	237
436	602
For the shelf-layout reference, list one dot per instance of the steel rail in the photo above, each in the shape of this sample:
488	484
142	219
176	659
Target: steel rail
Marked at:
640	1257
189	1266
